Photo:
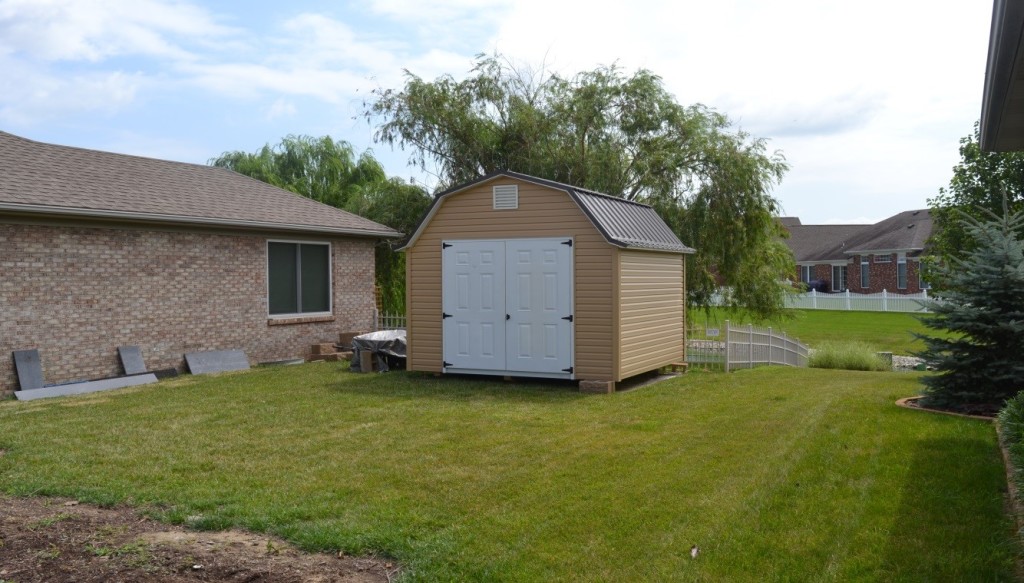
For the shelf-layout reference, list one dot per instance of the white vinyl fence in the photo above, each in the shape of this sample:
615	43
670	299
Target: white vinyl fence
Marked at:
732	347
880	302
388	321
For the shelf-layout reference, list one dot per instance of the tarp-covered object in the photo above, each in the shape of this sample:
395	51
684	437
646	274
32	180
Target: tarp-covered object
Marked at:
387	345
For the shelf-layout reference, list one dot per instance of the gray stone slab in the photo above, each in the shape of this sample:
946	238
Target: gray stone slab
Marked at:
216	361
131	359
30	369
86	387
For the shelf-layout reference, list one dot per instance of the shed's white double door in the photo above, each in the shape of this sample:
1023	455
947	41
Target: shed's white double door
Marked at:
507	306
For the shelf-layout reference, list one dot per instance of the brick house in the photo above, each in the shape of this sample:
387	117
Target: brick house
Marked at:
862	258
100	250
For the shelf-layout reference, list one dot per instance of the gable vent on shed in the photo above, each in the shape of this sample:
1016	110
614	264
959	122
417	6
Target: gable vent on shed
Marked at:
506	196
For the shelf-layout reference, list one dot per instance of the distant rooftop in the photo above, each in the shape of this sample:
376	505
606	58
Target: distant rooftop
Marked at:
905	232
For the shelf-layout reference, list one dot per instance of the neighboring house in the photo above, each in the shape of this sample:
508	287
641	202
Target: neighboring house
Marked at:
99	250
862	258
514	275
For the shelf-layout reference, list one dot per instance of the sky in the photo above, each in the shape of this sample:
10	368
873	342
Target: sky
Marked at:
867	100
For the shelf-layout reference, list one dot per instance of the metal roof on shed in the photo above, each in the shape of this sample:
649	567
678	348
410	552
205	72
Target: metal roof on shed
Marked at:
623	223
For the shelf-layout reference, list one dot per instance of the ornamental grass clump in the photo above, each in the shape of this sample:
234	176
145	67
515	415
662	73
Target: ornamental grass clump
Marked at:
847	356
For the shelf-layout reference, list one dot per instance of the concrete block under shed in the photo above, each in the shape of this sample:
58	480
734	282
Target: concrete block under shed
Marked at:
597	387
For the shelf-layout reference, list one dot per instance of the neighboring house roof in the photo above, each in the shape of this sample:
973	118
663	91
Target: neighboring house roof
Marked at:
820	242
790	221
41	179
905	232
623	223
1002	105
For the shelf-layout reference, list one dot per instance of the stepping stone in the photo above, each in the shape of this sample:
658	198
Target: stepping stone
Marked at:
216	361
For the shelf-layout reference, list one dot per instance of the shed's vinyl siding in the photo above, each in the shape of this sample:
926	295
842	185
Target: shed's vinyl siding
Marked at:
651	311
542	212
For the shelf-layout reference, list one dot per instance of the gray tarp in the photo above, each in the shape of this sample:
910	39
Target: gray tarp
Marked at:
383	344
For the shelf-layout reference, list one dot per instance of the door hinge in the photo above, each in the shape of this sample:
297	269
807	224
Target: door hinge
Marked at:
569	242
444	315
568	370
445	245
569	317
446	364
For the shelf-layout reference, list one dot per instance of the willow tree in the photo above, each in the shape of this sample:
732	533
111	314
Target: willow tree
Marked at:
329	171
617	133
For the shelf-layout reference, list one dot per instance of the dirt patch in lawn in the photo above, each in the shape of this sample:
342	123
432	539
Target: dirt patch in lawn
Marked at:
53	539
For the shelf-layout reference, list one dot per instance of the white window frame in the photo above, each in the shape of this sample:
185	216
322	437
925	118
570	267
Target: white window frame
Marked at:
901	260
330	279
806	273
885	258
865	272
832	284
921	283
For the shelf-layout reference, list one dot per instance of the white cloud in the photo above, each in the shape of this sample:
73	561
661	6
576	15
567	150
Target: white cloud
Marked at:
281	108
92	30
28	96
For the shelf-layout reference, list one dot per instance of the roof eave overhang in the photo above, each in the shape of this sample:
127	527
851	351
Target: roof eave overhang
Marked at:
881	251
71	213
1002	116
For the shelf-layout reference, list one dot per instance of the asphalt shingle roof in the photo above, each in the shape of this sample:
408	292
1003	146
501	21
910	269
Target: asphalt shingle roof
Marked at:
907	231
623	223
46	178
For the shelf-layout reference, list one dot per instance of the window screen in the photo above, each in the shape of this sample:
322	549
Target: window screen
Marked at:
298	278
865	272
901	272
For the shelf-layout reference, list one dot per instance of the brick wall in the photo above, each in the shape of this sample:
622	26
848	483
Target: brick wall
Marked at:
882	276
77	294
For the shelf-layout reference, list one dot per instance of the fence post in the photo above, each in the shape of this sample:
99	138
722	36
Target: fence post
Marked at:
814	299
750	345
848	299
727	346
771	355
885	301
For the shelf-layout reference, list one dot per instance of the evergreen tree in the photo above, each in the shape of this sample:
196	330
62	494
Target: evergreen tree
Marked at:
981	361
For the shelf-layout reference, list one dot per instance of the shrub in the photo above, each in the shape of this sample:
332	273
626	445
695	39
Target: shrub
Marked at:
847	356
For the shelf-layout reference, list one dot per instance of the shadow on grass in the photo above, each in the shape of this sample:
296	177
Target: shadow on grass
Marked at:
953	498
402	384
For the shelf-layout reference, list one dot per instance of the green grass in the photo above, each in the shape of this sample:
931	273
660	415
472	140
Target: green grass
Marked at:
777	474
884	331
847	356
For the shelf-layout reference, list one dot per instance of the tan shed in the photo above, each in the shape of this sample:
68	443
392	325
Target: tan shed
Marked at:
519	276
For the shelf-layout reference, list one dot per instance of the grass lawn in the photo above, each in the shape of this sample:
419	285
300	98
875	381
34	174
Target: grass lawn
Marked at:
888	331
777	474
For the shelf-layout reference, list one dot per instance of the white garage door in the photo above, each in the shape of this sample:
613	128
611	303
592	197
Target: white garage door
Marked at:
508	306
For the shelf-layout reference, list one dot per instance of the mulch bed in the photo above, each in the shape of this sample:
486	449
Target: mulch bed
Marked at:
56	539
986	412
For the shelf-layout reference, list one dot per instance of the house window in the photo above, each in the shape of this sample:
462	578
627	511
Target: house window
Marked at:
838	278
805	273
865	272
922	282
298	278
901	271
887	258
